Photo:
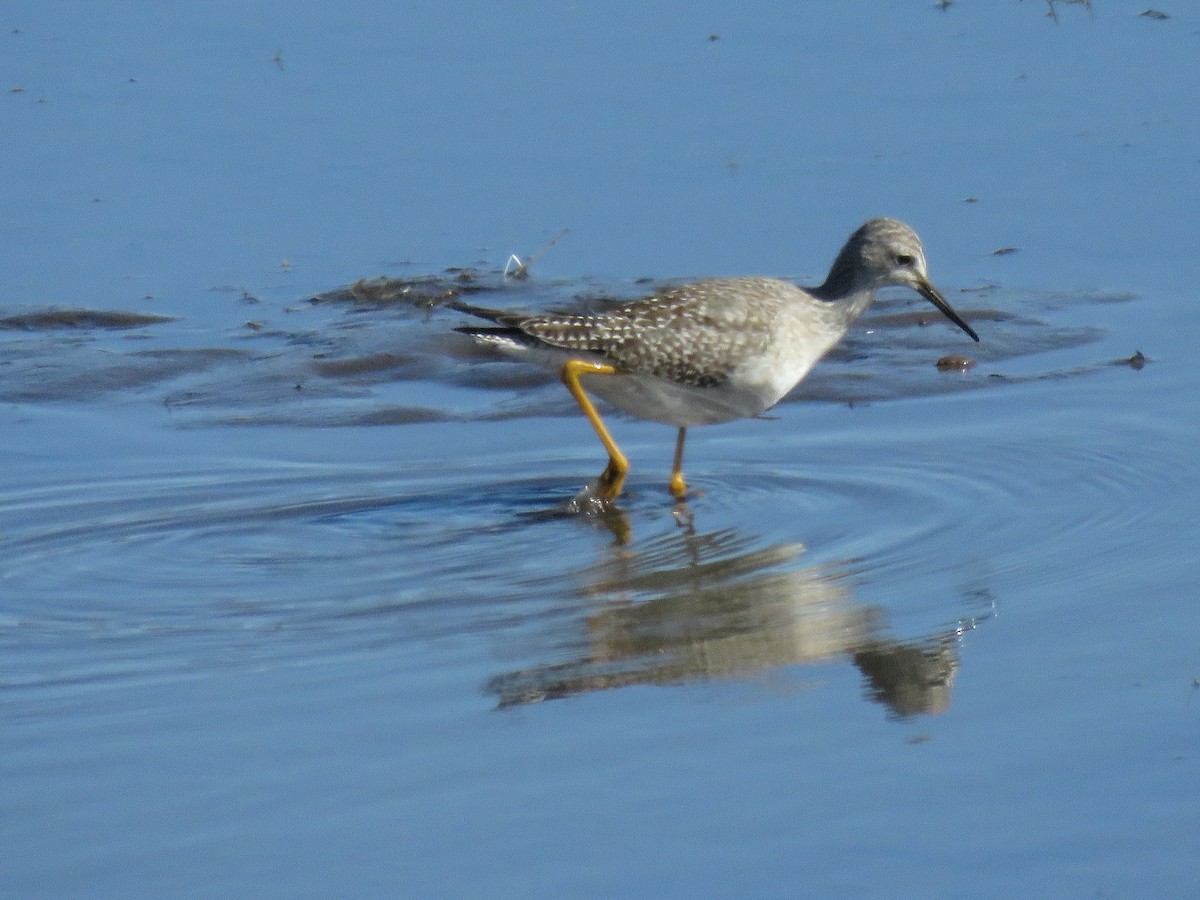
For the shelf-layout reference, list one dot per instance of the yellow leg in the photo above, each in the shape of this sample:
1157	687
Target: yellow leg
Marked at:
678	485
612	479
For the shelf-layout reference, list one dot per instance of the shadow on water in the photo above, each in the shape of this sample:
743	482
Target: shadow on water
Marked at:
691	606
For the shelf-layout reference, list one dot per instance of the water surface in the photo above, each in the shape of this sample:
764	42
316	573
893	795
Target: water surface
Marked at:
289	604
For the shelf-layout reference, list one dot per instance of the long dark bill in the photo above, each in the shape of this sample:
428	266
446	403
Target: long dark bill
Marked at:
930	293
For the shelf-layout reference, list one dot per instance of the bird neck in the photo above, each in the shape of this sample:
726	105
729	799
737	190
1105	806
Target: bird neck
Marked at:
845	289
850	299
844	280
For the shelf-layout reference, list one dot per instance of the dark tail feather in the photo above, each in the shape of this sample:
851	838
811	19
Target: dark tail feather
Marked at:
507	320
495	331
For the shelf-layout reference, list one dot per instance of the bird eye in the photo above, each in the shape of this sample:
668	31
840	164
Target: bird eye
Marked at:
905	259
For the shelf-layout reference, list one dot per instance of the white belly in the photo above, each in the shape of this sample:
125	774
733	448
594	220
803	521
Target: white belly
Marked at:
671	403
756	385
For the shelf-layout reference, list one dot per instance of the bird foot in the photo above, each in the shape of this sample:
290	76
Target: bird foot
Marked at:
590	505
612	479
677	486
600	495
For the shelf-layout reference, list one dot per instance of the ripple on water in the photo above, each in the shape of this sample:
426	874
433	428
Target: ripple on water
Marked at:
894	549
981	501
867	554
297	561
306	561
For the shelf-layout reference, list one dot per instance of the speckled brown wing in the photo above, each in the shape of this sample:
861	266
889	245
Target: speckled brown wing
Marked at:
694	334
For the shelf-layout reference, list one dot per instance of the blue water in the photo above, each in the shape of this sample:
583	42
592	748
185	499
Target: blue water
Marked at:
288	605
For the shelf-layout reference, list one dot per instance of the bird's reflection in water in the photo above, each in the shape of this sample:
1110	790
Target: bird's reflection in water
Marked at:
692	606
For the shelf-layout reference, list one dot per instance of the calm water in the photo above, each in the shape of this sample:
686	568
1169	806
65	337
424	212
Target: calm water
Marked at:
288	602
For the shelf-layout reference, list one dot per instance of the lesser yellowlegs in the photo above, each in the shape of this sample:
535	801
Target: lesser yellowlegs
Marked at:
710	351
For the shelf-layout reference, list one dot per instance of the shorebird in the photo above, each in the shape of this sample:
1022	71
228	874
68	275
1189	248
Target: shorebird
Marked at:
710	351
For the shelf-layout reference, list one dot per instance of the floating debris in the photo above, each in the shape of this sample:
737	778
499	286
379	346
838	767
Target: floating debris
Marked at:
519	268
516	268
1136	362
1005	251
1156	14
955	363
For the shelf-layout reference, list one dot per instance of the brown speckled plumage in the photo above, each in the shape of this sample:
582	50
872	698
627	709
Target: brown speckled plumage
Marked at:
715	350
695	334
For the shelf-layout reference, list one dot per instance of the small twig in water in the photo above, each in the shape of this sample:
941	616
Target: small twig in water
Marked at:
520	268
